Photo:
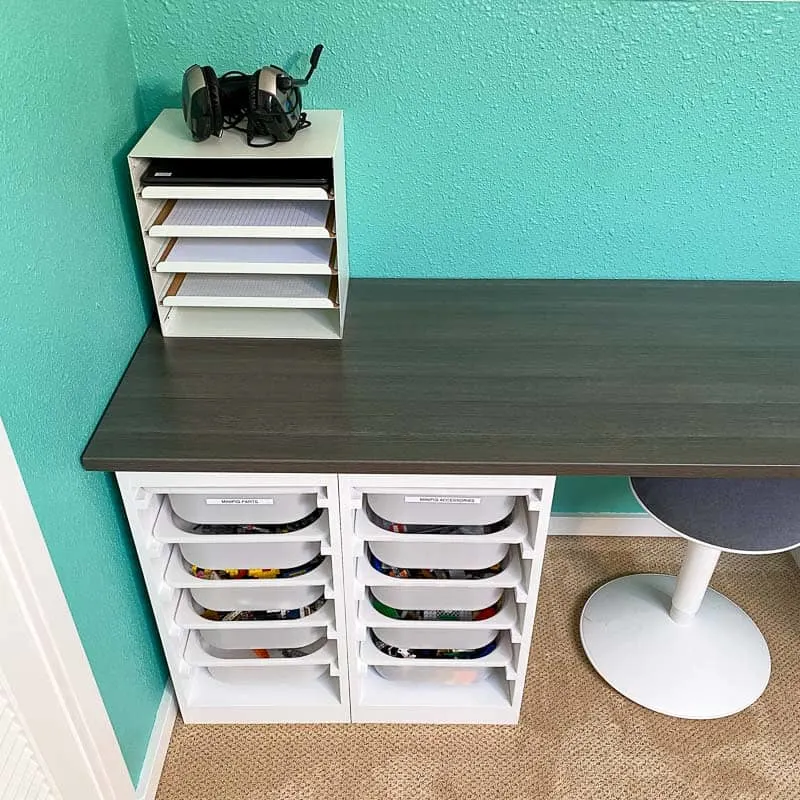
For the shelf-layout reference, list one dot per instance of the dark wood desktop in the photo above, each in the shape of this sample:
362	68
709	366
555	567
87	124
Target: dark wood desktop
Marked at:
526	377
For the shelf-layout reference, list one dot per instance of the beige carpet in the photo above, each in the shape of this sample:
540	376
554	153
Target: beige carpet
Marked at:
577	740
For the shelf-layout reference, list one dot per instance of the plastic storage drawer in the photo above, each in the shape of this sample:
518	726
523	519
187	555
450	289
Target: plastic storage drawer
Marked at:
439	509
416	598
269	555
249	639
294	670
438	639
291	673
421	555
238	596
241	508
444	675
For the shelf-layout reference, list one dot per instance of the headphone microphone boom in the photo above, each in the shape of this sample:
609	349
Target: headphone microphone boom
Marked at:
287	82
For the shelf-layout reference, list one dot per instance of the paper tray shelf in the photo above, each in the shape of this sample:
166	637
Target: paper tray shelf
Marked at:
212	192
252	291
311	219
249	256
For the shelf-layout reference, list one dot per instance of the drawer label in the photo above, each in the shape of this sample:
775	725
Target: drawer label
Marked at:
448	500
240	501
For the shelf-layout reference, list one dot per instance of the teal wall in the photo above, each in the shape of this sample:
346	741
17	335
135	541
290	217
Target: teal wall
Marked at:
71	312
559	138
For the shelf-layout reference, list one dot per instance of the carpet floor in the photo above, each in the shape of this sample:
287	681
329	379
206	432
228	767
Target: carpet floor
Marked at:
577	739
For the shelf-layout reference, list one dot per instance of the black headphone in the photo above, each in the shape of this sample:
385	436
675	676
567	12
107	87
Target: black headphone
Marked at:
269	100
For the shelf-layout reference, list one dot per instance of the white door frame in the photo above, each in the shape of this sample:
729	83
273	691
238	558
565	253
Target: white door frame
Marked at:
43	667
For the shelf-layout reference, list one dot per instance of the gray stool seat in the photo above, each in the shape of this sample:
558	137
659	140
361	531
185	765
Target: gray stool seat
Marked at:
676	646
736	515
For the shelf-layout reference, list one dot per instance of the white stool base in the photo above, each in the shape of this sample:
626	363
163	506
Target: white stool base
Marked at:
715	666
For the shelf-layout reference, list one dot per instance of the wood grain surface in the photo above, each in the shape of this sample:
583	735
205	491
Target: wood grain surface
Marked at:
553	377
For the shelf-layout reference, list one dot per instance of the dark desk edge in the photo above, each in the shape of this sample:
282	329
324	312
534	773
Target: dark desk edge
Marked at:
101	463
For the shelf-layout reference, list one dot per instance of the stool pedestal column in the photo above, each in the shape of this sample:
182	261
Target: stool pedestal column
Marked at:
693	580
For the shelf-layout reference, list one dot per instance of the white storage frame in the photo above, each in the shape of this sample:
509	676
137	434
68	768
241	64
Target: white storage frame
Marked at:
203	699
495	700
168	137
350	689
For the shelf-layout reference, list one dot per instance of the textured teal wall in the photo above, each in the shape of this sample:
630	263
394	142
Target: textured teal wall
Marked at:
71	313
560	138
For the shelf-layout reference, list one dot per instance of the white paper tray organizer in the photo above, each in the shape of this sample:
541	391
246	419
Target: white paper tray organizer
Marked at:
262	259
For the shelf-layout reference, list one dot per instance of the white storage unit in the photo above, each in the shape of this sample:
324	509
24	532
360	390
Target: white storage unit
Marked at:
321	644
245	649
246	261
462	612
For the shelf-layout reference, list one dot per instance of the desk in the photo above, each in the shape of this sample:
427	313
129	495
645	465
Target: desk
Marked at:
462	388
515	377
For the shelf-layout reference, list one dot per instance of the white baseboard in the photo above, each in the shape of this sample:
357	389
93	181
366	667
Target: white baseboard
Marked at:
157	748
606	525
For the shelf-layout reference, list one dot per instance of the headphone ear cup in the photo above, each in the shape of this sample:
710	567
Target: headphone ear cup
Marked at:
195	100
214	101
